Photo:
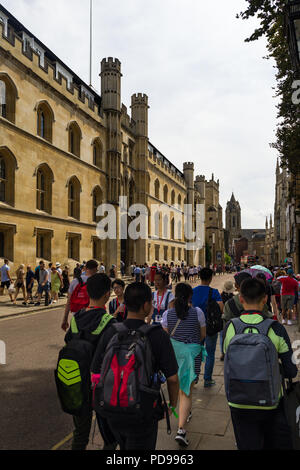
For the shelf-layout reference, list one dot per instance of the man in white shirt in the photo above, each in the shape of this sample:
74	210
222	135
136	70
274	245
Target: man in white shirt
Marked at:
5	278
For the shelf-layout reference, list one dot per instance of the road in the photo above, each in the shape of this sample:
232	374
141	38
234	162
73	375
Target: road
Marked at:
31	418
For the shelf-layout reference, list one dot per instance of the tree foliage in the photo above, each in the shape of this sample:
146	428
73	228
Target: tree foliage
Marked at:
272	26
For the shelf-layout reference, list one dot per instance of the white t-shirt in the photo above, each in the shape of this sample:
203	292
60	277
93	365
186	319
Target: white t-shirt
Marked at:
75	282
159	302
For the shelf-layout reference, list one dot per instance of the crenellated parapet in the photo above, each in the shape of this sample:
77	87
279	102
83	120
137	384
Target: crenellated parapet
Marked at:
42	64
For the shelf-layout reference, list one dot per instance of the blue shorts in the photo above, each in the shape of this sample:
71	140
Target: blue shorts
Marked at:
44	288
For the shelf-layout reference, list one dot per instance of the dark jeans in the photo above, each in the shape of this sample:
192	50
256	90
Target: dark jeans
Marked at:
261	429
82	430
210	345
136	439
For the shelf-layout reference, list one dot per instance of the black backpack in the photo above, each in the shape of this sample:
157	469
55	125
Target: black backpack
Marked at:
72	374
214	322
128	389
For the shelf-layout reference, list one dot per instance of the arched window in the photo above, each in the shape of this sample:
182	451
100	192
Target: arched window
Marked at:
97	200
98	154
8	97
156	188
44	181
173	229
131	198
8	165
45	119
74	189
74	138
166	194
179	200
173	197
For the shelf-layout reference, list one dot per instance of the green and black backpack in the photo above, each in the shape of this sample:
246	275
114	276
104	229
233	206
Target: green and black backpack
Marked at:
72	374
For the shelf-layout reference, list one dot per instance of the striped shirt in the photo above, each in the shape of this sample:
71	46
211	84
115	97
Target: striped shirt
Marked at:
188	330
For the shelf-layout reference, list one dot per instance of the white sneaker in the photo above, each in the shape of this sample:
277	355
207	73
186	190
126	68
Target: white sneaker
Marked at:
289	322
283	322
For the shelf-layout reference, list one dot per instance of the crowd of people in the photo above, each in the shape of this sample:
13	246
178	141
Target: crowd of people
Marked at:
185	324
184	340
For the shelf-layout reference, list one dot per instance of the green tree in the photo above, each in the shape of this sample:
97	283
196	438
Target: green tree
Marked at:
272	26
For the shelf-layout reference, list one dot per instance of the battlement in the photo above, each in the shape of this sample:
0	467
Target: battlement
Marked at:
110	65
139	99
188	166
41	63
200	179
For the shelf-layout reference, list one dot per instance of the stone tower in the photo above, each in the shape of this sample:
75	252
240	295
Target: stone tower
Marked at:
233	220
111	106
139	114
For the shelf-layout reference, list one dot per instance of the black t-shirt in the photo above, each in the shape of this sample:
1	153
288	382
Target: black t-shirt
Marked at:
162	348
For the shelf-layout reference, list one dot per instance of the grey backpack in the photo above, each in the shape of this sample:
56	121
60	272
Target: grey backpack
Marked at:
251	367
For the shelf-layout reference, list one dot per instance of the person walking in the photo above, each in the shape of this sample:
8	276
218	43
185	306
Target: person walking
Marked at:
43	285
65	281
117	306
200	299
88	322
6	280
29	286
288	292
56	284
257	424
226	294
186	327
91	268
143	434
162	297
20	283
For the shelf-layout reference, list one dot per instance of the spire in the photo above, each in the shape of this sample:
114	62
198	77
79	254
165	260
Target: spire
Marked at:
232	198
267	223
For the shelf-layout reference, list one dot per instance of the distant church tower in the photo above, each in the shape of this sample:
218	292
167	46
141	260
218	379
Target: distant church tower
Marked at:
233	220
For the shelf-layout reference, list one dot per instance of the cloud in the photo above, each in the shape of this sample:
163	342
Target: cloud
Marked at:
210	93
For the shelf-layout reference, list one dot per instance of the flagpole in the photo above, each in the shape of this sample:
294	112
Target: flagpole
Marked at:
91	38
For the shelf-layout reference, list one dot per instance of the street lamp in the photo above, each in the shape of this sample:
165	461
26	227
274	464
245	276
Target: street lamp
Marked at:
293	31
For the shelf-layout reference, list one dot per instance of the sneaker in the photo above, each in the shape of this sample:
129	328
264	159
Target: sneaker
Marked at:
189	417
209	383
283	321
289	322
37	304
181	438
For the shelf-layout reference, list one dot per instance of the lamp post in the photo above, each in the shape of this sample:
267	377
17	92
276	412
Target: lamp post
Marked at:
293	31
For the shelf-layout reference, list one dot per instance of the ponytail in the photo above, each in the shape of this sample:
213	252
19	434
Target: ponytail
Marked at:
183	293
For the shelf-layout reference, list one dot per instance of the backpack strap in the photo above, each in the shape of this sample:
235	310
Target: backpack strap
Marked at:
263	327
106	318
74	327
233	307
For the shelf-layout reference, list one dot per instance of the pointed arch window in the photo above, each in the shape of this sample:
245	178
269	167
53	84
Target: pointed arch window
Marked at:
8	166
44	181
8	97
156	188
166	194
97	197
74	189
74	139
98	154
45	119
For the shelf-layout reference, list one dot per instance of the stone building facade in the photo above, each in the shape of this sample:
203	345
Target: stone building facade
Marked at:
65	150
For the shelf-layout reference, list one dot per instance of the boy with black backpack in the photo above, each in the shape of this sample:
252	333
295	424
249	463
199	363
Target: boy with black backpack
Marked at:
130	362
72	375
253	345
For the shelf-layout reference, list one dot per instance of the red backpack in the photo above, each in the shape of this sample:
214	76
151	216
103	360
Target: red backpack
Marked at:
79	298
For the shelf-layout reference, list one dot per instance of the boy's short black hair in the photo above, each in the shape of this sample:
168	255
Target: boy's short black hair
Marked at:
206	274
91	264
253	290
119	282
240	277
136	294
98	285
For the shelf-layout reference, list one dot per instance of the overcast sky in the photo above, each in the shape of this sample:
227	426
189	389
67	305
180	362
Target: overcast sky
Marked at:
210	93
